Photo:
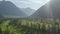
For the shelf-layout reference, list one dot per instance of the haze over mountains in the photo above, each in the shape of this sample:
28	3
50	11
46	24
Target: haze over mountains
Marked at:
7	8
49	10
29	11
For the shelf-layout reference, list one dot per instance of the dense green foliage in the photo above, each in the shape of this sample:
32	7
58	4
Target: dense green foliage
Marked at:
24	26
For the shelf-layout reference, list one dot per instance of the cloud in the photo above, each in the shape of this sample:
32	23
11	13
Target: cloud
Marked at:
24	0
35	1
29	3
39	1
35	4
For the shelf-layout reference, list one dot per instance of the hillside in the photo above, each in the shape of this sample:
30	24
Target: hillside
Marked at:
7	8
49	10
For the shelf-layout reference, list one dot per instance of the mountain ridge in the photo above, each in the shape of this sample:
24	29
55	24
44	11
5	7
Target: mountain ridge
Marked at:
8	8
49	10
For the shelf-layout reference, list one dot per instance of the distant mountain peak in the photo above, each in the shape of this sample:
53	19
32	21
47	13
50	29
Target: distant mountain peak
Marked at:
29	11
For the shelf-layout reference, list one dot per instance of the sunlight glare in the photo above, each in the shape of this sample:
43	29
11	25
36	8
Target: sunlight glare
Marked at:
48	8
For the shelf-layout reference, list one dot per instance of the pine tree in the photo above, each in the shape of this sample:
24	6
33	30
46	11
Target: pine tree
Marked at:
0	31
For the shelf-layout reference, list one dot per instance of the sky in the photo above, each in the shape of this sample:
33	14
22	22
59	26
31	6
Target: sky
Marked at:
34	4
